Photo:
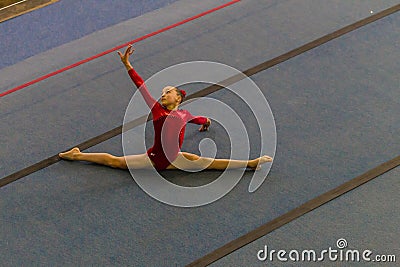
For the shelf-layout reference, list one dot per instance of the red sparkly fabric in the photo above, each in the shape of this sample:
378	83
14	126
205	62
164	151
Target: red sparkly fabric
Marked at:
169	127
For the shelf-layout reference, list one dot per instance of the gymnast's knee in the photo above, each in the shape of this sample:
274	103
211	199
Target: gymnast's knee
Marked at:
191	157
117	162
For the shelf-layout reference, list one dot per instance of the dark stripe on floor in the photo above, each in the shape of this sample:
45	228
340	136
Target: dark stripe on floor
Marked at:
295	213
208	90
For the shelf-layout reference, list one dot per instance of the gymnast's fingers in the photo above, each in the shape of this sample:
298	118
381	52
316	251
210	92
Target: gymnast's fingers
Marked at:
132	50
127	51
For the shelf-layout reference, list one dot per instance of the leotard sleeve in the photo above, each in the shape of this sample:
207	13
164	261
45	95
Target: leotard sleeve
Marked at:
196	119
150	101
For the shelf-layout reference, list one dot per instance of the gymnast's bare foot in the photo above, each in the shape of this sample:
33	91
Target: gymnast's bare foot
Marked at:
70	155
255	164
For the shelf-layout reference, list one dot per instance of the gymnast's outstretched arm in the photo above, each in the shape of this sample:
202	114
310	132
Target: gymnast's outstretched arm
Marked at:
139	82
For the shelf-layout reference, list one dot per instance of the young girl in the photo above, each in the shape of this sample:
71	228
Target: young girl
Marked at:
169	128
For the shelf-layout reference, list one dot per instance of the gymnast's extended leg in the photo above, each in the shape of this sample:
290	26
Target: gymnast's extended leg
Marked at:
140	161
188	161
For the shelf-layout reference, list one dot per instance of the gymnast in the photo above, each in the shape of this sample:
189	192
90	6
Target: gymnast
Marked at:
169	128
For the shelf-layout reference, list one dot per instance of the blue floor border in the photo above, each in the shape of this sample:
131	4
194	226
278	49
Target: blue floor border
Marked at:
63	22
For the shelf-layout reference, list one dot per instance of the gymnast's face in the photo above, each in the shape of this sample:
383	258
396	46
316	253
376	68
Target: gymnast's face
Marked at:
170	97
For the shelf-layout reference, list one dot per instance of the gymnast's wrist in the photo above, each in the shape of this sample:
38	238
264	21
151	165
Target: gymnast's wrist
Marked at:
128	66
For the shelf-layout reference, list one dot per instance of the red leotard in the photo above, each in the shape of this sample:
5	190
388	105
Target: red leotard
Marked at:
169	127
